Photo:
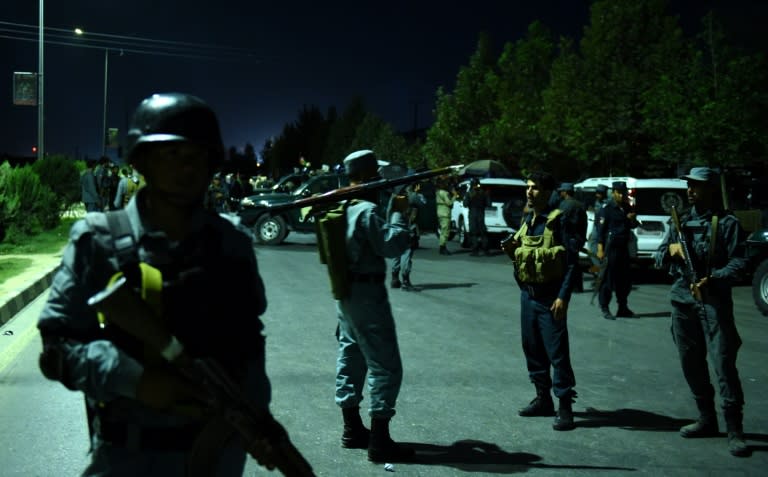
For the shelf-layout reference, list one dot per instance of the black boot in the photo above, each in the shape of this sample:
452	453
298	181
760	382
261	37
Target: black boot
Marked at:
737	446
564	417
355	435
395	280
606	313
381	447
444	250
407	285
624	312
541	405
706	425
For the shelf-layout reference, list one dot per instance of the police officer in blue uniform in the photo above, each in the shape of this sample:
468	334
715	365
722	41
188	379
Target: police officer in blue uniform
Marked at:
544	306
613	237
573	210
366	333
145	417
702	306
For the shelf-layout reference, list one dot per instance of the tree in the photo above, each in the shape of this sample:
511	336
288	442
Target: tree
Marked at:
457	136
598	94
342	132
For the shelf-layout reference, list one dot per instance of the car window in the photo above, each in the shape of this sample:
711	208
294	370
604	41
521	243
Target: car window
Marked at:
505	193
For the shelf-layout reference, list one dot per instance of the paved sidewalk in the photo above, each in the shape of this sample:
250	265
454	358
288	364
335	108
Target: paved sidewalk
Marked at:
17	292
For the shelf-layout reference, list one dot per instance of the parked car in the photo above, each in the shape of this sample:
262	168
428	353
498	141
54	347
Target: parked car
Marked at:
509	192
757	265
272	229
287	183
652	199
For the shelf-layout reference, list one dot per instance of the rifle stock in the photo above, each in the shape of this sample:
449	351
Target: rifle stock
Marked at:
352	191
265	439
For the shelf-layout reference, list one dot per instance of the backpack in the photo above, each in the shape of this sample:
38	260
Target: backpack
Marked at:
539	258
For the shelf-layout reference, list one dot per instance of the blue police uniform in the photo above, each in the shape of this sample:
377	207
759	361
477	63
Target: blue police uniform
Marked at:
708	327
215	260
545	340
403	264
614	232
367	338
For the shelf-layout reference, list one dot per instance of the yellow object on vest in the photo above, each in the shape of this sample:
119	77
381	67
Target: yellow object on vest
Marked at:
151	289
539	259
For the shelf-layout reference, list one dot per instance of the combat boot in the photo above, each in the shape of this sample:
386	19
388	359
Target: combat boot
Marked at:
706	424
407	285
444	250
607	313
624	312
541	405
564	417
395	280
737	446
355	435
381	447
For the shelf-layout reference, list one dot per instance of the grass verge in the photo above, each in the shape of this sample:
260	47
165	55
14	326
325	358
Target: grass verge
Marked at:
50	241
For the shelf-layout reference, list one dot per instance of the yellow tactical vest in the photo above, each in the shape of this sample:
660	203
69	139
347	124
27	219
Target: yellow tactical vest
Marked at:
539	259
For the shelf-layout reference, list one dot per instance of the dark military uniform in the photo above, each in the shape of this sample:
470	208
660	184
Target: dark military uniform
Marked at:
477	200
708	327
614	232
574	212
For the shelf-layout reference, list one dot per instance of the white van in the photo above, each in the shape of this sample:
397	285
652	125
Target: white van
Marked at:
501	191
652	199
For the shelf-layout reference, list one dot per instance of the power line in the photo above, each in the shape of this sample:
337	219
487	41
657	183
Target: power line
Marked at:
129	43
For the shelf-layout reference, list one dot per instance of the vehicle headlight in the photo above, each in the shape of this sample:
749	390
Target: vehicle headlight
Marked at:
247	202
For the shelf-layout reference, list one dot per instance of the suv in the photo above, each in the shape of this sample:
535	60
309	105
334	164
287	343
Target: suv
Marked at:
652	199
505	194
272	229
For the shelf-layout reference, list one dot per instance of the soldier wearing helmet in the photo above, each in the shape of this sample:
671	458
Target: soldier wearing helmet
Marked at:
134	398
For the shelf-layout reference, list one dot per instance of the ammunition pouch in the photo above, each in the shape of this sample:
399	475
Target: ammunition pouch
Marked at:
331	230
538	259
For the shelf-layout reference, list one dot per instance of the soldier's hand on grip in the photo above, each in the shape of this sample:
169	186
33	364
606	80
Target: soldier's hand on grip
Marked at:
676	250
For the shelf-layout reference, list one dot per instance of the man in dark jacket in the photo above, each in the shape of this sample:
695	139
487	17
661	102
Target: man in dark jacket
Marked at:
477	200
573	211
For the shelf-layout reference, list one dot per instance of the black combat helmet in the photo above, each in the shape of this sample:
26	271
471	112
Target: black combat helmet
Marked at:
175	117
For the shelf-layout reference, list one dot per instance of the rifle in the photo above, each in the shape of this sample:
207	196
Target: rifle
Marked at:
690	271
265	439
357	190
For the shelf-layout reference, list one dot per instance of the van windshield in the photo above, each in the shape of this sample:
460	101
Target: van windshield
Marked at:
505	193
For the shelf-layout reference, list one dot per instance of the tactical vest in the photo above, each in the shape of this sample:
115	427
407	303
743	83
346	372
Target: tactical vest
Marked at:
331	231
539	258
131	186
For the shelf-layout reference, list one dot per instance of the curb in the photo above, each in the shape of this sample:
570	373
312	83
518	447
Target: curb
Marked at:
26	296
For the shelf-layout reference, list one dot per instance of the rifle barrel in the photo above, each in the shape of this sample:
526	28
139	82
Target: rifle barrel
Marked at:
352	191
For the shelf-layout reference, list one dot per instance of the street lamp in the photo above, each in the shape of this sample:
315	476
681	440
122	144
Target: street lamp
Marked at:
40	109
80	32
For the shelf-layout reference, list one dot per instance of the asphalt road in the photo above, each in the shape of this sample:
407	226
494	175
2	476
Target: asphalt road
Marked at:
464	381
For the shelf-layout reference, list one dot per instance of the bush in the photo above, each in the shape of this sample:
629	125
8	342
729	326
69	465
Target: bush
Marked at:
26	205
62	176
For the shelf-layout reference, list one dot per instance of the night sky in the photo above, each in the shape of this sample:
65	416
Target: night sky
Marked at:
394	54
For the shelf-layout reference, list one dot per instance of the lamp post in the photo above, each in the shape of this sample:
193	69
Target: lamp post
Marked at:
80	32
40	109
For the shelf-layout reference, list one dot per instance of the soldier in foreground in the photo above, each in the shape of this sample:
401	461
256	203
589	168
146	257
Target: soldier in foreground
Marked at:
366	332
546	254
145	416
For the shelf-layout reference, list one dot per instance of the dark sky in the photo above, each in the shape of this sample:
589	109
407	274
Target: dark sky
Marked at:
395	54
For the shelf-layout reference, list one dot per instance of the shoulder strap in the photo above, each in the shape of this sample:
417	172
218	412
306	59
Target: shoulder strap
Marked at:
712	240
123	243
